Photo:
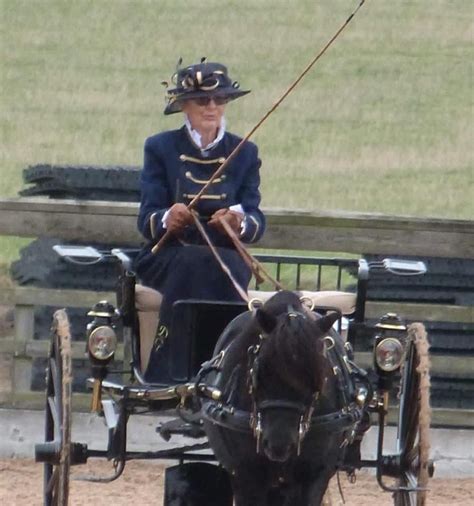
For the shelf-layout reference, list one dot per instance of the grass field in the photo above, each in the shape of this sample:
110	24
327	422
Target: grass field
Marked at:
383	123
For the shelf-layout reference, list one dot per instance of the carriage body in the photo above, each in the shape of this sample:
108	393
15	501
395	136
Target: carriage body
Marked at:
196	326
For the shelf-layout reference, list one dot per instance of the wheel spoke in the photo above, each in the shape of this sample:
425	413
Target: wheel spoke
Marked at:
54	411
52	482
54	375
411	459
402	498
410	479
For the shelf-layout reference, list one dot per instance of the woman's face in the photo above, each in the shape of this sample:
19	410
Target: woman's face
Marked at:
204	117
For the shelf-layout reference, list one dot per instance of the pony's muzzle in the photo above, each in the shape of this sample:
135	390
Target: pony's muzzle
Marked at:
278	452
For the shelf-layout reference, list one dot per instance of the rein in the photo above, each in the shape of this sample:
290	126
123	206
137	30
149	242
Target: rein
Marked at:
221	262
257	268
233	154
254	265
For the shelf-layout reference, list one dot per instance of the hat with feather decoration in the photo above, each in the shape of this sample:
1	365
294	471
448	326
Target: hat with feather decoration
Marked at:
200	80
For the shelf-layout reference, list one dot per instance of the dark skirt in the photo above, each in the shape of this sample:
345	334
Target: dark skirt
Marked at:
186	272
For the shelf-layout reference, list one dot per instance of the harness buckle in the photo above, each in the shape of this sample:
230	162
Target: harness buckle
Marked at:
307	302
331	342
256	426
255	304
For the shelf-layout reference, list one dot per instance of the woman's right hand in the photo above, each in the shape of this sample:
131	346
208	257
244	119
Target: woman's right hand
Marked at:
179	216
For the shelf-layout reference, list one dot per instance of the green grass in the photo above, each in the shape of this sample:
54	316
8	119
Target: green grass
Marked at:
383	123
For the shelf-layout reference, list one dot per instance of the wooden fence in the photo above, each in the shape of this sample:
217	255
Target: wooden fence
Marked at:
116	223
358	233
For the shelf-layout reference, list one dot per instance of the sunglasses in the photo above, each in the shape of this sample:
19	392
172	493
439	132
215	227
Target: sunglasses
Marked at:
205	101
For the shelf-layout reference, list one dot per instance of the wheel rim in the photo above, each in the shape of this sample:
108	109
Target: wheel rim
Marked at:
58	413
414	420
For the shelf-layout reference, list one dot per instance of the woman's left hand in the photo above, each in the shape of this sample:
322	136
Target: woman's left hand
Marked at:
232	218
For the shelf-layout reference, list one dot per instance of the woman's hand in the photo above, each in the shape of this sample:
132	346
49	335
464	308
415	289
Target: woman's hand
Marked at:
179	216
232	218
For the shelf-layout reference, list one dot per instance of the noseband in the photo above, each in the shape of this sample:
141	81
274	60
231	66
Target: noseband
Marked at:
305	411
304	423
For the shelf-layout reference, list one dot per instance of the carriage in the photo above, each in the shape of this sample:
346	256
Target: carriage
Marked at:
399	375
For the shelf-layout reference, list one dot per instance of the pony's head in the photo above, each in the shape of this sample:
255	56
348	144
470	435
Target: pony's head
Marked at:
287	369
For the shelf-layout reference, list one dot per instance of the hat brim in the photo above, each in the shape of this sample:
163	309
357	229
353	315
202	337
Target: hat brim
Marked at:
175	102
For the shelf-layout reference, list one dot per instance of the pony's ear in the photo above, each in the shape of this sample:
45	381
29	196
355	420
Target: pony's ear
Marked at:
266	321
326	322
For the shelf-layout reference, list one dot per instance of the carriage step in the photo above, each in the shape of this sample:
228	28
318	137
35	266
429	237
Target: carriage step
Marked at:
192	429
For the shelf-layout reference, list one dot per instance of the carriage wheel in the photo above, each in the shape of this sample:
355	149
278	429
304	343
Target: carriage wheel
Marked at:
414	420
55	452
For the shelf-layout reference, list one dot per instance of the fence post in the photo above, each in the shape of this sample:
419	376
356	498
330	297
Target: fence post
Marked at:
22	364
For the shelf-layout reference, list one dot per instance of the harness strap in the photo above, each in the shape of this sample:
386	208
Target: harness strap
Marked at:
239	420
281	404
344	376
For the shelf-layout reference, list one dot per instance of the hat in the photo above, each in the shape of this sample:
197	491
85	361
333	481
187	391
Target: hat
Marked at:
201	79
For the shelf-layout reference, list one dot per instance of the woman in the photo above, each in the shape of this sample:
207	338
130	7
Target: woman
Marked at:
176	166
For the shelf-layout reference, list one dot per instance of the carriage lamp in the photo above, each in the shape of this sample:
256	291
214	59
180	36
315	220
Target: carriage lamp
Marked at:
389	354
389	348
101	346
102	343
101	335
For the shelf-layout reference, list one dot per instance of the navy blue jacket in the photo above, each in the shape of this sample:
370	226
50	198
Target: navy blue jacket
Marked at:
175	170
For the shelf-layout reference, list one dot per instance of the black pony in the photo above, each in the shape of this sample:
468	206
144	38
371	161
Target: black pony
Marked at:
285	414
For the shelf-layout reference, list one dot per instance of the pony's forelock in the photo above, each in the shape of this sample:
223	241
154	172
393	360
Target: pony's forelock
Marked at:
294	353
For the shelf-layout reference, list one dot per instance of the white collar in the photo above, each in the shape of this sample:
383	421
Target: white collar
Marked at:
196	136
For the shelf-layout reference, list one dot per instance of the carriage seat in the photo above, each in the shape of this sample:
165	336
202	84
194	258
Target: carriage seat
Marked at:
148	301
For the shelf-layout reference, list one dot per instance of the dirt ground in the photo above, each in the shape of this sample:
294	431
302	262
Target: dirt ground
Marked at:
142	484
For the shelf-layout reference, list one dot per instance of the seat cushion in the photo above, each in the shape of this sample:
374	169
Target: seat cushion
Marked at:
148	299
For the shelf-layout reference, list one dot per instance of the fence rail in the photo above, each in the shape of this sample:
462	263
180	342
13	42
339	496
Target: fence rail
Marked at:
303	230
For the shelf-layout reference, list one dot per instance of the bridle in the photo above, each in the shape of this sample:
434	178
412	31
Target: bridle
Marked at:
219	411
305	410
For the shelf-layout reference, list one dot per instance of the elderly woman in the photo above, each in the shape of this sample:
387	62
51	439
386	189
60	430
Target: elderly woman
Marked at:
176	166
